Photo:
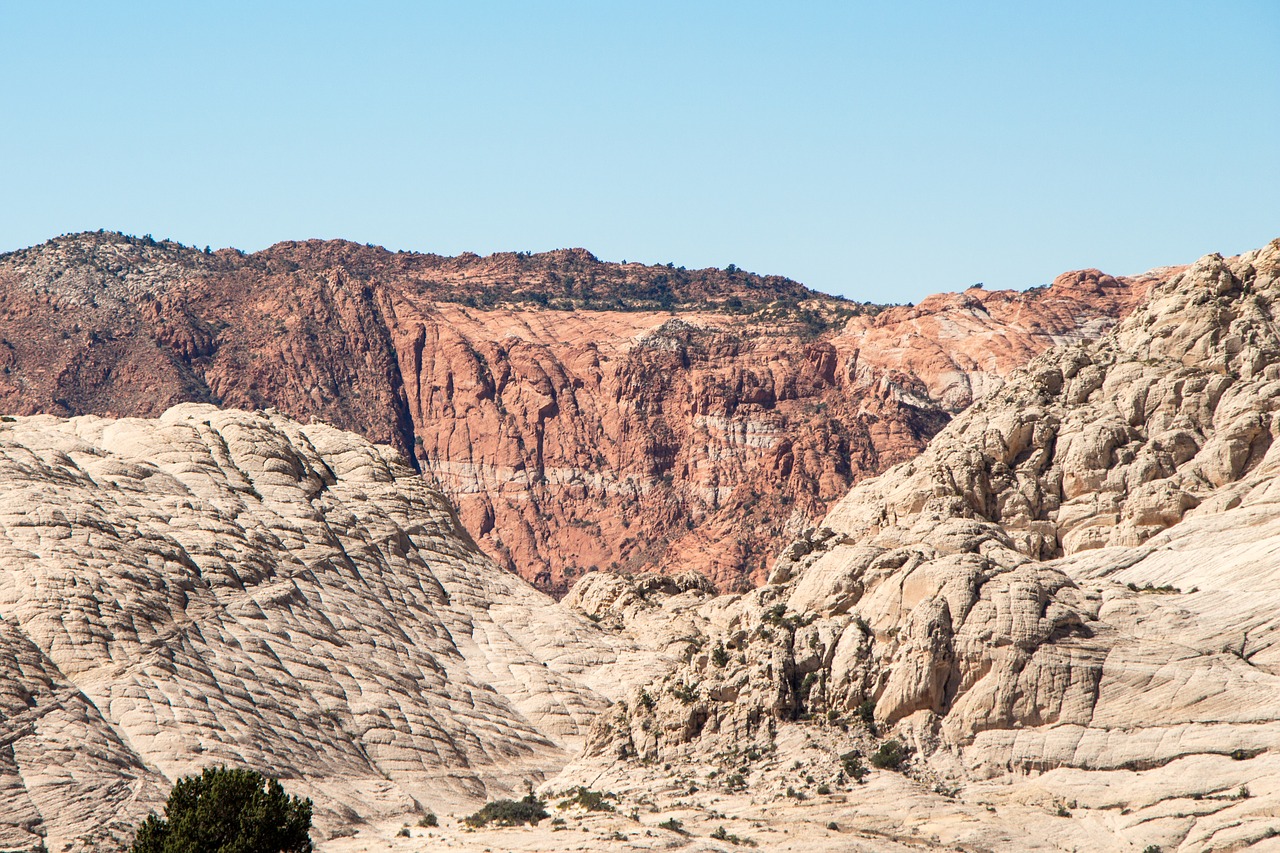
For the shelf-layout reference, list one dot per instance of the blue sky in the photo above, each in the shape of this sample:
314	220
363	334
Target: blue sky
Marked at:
878	150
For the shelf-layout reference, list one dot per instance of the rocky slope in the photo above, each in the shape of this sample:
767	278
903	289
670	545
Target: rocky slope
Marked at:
223	587
1066	607
581	415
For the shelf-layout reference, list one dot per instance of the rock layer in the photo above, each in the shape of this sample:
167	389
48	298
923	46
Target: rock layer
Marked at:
222	587
1072	589
582	415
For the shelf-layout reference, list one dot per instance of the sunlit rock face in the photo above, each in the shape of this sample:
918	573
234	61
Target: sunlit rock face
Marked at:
217	587
581	415
1071	595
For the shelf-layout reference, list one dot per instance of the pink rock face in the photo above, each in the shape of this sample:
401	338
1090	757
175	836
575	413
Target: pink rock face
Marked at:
583	416
957	344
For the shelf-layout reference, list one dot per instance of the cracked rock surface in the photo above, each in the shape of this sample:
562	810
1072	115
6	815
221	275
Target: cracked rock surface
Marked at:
1072	594
224	587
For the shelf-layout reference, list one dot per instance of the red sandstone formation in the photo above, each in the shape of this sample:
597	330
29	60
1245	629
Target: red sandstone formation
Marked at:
582	415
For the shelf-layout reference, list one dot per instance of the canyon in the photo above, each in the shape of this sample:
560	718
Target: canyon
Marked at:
581	415
1046	620
1063	610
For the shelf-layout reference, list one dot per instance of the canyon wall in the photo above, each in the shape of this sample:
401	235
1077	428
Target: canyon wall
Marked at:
582	415
217	586
1067	602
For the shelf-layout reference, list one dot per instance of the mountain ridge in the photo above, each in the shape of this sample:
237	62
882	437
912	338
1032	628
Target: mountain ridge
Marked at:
1062	611
1063	608
539	389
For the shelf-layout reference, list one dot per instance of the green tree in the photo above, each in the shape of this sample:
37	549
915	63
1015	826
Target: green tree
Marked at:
227	811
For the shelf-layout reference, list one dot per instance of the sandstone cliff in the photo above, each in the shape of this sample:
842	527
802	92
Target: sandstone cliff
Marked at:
222	587
581	415
1065	606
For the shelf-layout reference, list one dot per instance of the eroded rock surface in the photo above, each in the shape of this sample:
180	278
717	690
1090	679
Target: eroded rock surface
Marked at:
223	587
1067	601
581	415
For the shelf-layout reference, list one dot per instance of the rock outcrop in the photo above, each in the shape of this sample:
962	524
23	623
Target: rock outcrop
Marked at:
1069	596
581	415
1058	621
224	587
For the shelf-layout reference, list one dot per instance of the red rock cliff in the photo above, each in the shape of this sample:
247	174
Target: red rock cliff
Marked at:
582	415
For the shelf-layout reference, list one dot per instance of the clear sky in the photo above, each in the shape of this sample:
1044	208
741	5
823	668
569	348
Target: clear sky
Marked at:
878	150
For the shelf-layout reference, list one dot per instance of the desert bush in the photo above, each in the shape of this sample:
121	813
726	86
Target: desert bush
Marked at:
592	801
528	810
226	809
722	834
853	766
891	755
686	693
674	825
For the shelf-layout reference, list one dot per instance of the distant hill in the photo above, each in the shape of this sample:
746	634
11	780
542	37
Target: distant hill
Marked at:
582	415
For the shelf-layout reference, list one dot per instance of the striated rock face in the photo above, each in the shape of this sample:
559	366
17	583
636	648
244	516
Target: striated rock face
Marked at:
1065	608
222	587
581	415
1078	578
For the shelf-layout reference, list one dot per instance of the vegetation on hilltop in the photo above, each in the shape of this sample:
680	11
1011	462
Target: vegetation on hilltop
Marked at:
561	280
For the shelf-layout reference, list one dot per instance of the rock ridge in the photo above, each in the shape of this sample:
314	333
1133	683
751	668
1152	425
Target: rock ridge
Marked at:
216	586
582	415
1069	595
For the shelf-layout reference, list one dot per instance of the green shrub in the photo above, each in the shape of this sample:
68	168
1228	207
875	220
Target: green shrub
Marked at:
776	615
890	756
686	693
226	809
719	656
853	766
592	801
528	810
429	819
1159	590
721	834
